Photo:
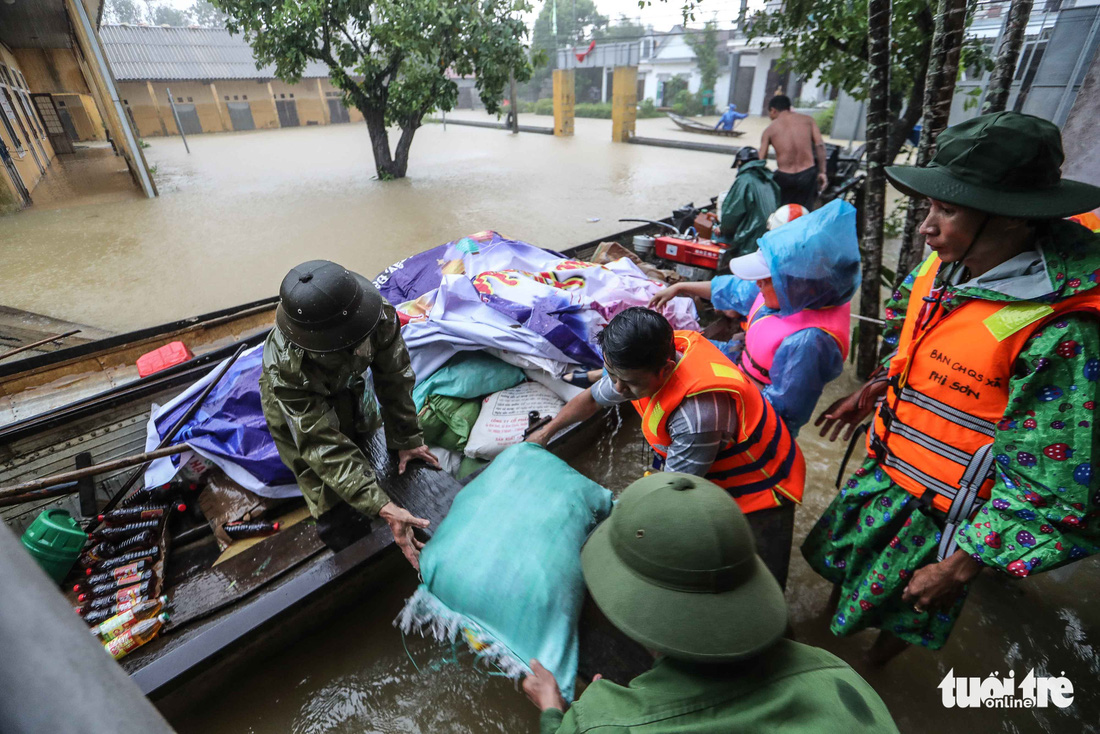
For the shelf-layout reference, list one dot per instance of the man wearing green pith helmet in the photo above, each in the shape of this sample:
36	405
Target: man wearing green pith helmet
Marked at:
981	446
674	567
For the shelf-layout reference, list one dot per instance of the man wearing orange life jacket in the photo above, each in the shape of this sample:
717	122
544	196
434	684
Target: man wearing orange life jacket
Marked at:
702	416
981	447
793	295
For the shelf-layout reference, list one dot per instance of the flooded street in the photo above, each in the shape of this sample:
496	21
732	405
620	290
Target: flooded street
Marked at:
244	207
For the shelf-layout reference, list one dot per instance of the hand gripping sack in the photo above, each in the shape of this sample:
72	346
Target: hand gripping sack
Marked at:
504	567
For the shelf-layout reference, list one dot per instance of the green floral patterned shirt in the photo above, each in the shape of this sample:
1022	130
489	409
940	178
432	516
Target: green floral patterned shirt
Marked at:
1044	510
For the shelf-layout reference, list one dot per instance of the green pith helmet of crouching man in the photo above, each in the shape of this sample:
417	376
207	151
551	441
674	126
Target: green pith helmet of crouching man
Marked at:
332	325
980	453
675	569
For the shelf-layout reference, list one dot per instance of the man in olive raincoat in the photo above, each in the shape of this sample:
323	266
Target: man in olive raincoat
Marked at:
743	214
332	325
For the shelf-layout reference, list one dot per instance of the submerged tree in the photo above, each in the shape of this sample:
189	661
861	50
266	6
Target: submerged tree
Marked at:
1015	32
392	59
878	129
939	89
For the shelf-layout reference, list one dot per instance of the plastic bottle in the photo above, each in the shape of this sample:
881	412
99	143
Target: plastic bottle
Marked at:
163	493
100	615
118	533
118	597
238	530
112	627
110	587
110	564
134	637
98	578
107	550
137	513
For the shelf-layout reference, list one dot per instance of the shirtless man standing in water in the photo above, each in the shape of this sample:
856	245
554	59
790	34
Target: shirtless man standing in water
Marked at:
797	141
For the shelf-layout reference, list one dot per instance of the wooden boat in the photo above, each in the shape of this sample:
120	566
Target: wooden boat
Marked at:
88	398
694	126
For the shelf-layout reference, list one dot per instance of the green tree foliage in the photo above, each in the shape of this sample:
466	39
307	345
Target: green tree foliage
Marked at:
830	38
124	11
204	13
391	58
705	46
624	29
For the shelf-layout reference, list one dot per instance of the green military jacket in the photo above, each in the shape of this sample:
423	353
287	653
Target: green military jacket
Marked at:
743	217
792	688
320	411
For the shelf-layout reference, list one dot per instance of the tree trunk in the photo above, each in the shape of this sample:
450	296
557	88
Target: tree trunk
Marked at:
385	167
878	130
1000	82
404	143
943	71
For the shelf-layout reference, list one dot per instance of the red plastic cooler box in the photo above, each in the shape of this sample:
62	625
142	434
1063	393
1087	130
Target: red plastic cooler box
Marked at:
167	356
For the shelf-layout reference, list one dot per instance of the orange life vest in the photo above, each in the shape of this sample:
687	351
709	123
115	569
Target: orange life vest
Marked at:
949	385
762	461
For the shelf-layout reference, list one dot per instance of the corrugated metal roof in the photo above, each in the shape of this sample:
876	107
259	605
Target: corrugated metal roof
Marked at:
200	54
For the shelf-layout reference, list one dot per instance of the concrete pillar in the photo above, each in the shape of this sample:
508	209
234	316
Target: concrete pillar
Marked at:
156	108
564	102
324	103
603	84
274	107
223	111
624	103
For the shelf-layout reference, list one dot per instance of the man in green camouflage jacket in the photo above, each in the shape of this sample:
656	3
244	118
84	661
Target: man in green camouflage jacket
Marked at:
332	325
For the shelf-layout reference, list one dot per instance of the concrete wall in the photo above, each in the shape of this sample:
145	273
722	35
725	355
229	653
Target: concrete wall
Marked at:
51	70
37	153
85	115
155	119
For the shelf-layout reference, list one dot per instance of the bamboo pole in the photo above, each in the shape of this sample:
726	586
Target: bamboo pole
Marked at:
38	343
107	466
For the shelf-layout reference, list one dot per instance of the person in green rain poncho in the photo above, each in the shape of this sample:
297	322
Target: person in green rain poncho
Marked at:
982	447
331	326
743	213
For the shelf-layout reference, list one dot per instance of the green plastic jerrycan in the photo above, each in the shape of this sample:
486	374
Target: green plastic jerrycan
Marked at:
55	540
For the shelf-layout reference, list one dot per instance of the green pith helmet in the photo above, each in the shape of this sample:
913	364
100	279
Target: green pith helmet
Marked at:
325	307
1006	164
675	568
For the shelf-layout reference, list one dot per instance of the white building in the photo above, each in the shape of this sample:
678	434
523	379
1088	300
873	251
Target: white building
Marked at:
748	75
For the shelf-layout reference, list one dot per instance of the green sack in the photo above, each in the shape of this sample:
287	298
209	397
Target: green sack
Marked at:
504	568
447	422
468	375
468	466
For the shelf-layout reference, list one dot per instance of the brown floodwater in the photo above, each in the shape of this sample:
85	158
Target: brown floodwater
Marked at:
244	207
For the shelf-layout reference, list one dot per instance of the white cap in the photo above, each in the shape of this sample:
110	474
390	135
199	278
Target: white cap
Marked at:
750	267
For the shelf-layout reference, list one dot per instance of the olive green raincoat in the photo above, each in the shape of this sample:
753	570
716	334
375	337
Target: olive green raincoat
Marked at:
743	217
320	412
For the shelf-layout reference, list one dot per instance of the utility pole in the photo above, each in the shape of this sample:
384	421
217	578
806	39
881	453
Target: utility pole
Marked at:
512	101
176	115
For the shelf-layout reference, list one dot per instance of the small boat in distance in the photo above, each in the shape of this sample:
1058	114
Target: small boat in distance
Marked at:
694	126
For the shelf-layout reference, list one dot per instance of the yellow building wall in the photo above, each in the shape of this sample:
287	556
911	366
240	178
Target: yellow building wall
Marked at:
311	106
85	116
51	70
305	95
253	92
353	112
29	170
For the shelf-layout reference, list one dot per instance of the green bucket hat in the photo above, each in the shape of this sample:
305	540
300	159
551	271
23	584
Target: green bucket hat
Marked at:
1006	164
675	568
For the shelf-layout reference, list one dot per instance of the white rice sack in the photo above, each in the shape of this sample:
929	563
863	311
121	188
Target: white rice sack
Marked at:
564	390
503	418
449	460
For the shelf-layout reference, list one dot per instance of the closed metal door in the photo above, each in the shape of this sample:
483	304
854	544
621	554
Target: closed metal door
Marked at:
55	129
67	123
337	112
288	112
189	118
240	114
